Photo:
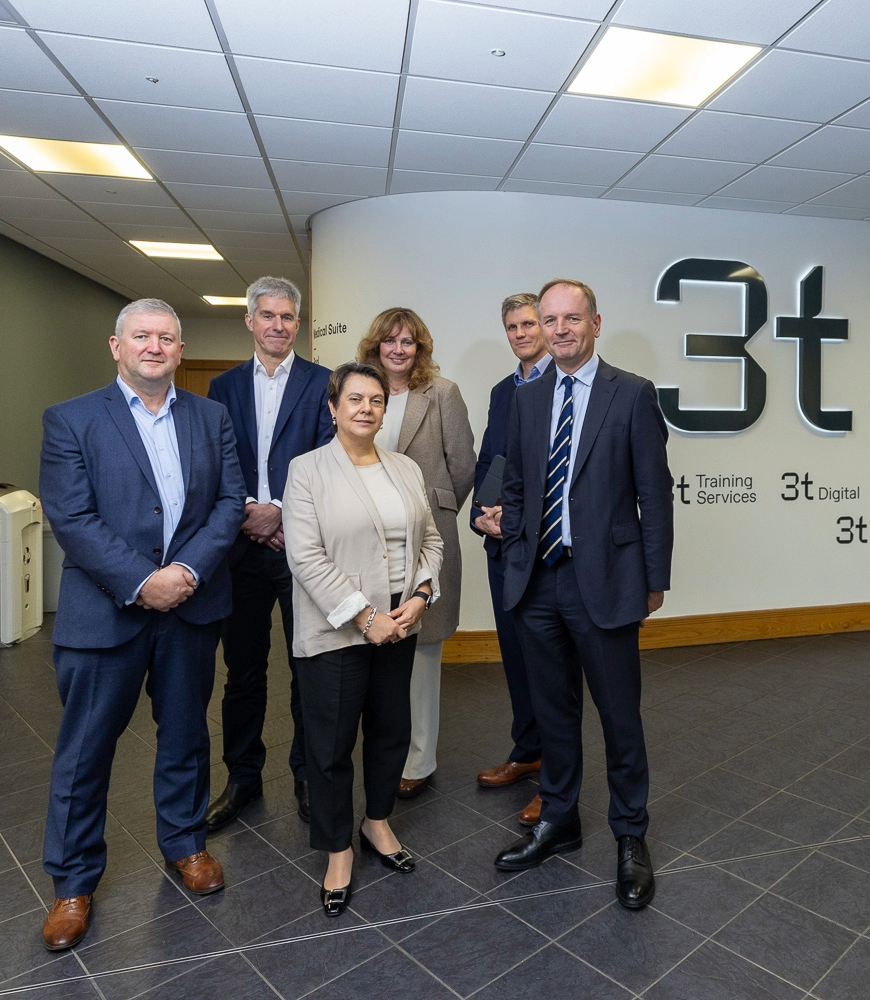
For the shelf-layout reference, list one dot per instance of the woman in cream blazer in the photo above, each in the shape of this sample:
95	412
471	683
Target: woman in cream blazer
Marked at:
365	556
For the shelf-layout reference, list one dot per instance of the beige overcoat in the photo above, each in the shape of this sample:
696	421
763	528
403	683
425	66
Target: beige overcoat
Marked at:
437	435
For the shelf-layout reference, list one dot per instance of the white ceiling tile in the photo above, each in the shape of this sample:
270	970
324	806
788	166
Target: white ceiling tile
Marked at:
858	117
254	257
25	66
368	35
716	135
242	222
838	27
90	247
681	174
593	10
573	166
471	109
168	22
45	228
829	212
229	199
206	168
745	204
230	239
853	194
783	184
736	21
21	183
184	232
120	190
323	93
609	124
21	209
405	181
325	142
797	85
454	154
307	202
157	127
134	214
333	178
848	148
454	41
52	116
657	197
549	187
118	71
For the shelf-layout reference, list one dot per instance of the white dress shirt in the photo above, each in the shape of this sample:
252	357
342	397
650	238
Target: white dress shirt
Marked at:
268	393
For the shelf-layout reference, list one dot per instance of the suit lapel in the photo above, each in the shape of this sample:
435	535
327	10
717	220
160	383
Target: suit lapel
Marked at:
355	483
119	410
181	419
247	403
543	411
600	397
300	373
415	410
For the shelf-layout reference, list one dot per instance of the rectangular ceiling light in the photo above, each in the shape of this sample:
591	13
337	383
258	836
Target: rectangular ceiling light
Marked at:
666	69
58	156
180	251
226	300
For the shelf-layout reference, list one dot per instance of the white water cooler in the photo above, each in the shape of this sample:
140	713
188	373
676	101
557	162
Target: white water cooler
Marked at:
20	564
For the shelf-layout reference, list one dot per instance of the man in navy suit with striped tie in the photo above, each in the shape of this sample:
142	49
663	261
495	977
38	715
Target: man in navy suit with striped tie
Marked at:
587	524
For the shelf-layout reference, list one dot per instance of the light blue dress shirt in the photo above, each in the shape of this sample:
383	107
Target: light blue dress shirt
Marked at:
583	379
537	370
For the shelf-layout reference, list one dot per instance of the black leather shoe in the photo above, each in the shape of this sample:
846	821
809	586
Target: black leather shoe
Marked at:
399	861
635	884
545	840
300	790
335	900
230	803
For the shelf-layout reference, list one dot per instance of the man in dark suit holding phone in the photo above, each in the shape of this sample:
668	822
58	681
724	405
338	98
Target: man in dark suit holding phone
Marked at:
526	340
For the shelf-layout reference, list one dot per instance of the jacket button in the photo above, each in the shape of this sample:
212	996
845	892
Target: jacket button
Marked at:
384	556
157	552
158	510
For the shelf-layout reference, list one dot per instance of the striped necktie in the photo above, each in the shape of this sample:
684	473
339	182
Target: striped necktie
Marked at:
551	547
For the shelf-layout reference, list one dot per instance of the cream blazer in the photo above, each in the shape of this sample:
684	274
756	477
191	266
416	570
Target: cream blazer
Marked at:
336	548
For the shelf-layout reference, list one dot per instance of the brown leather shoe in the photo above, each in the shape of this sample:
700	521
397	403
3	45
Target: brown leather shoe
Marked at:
410	788
532	813
201	873
507	774
67	922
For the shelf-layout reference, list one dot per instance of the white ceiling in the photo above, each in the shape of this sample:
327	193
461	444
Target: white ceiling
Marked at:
267	111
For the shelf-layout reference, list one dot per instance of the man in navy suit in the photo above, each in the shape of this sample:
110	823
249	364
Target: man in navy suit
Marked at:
143	490
278	406
520	320
588	533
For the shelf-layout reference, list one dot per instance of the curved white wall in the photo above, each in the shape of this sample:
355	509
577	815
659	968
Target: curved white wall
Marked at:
454	256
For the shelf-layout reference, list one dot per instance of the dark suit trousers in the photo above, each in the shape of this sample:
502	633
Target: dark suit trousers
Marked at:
340	687
99	689
561	644
260	577
524	730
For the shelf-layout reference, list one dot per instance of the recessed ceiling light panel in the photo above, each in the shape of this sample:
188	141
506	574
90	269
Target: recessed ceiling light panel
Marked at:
180	251
61	157
665	69
226	300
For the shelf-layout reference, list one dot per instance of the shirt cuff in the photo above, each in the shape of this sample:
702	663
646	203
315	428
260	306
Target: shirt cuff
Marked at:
349	608
135	596
425	576
189	568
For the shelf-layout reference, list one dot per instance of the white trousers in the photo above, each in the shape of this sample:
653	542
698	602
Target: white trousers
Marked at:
425	710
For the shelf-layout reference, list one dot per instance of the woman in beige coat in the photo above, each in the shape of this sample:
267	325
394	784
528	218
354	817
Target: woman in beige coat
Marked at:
427	421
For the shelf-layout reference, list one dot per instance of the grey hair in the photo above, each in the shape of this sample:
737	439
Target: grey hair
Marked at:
279	288
517	302
145	306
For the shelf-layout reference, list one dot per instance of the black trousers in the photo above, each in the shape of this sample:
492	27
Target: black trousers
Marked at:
340	688
561	644
524	730
259	578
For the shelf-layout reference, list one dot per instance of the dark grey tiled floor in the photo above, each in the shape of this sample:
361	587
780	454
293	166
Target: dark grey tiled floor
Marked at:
760	767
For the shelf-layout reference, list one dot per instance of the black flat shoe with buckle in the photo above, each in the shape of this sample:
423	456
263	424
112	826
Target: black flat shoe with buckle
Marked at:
399	861
335	900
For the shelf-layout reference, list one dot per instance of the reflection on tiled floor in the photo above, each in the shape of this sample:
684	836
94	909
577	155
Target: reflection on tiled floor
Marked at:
760	768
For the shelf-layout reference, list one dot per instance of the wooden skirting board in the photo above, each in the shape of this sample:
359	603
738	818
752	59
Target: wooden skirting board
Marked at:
697	630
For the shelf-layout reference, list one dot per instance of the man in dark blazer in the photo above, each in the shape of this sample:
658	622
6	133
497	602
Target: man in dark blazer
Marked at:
520	320
588	534
143	490
278	406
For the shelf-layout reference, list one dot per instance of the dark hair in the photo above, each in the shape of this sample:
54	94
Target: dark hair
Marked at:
571	283
382	326
343	373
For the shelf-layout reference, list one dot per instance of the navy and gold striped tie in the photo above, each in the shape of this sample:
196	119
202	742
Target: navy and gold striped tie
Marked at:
551	547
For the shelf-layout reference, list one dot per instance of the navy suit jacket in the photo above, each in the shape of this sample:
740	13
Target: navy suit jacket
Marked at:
99	493
304	421
621	495
494	443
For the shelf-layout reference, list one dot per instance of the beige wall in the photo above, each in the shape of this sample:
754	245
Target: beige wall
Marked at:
54	331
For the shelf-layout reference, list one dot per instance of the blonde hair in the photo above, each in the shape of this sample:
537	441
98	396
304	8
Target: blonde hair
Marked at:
383	325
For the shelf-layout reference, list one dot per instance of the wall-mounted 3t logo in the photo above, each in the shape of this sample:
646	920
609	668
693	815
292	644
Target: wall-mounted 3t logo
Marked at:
807	329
